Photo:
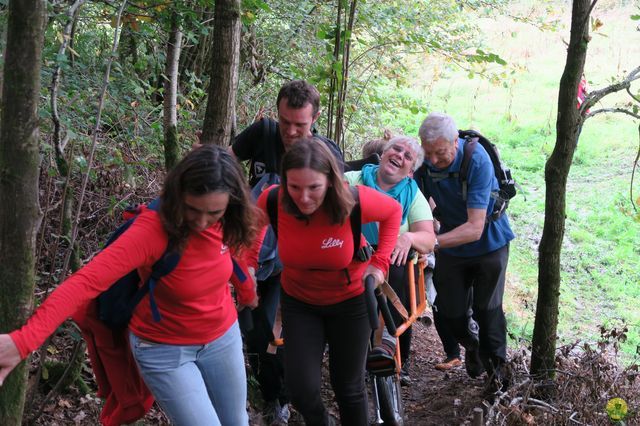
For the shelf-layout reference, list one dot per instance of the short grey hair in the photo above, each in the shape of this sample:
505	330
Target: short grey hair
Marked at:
438	125
413	144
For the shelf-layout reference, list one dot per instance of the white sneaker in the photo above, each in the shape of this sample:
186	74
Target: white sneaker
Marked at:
277	415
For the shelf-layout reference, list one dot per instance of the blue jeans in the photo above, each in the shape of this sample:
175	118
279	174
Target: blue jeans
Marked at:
196	384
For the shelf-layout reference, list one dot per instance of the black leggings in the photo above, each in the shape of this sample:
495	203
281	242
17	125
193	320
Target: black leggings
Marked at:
345	327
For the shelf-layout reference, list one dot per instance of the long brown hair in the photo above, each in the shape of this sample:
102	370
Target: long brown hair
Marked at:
207	169
312	153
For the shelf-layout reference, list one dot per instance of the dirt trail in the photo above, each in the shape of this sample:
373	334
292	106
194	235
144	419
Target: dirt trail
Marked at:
434	397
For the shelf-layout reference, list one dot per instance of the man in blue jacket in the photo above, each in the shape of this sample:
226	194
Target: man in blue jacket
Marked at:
472	248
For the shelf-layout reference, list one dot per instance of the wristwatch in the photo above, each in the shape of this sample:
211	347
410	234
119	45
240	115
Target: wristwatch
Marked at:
436	245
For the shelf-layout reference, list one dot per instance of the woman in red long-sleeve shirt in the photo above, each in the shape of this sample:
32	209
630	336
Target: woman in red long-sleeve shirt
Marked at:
322	290
191	359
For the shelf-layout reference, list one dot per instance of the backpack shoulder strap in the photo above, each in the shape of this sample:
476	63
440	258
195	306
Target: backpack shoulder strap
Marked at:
469	148
420	176
163	267
356	221
272	208
269	136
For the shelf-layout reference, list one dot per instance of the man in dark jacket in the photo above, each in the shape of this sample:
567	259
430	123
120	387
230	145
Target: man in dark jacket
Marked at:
263	144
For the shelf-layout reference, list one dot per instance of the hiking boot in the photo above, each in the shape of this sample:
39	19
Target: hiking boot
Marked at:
277	414
472	363
449	363
405	378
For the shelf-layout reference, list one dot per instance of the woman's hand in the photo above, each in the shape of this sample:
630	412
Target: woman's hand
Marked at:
252	305
377	274
9	356
400	252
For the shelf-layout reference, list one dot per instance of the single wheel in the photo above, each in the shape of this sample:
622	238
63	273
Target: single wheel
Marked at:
390	400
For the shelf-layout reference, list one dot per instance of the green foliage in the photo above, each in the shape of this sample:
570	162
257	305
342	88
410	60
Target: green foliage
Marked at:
298	42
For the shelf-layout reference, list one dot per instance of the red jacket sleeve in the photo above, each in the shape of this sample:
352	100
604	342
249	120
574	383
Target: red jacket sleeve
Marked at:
379	207
243	282
142	244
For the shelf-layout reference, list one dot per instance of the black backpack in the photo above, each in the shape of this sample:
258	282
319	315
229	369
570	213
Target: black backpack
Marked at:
506	184
355	219
356	165
115	305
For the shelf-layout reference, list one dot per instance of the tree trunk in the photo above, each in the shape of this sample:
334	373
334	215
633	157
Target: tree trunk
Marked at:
342	92
174	45
568	125
219	125
19	158
340	72
334	74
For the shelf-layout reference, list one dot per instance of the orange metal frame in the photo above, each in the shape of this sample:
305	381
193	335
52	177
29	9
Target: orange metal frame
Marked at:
417	303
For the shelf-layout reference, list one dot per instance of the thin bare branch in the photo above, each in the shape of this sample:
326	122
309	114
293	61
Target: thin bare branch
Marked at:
94	142
634	97
594	97
585	23
633	174
593	5
612	110
55	78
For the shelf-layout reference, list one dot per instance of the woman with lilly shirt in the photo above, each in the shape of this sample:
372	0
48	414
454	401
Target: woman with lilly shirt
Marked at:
322	290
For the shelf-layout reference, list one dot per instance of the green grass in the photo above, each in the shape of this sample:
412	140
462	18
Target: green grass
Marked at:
601	250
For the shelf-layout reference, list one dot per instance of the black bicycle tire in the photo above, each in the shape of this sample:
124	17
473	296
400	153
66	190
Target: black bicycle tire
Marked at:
390	400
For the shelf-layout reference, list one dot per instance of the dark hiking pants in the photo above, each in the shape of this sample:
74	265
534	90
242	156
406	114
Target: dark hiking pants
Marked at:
454	277
268	368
